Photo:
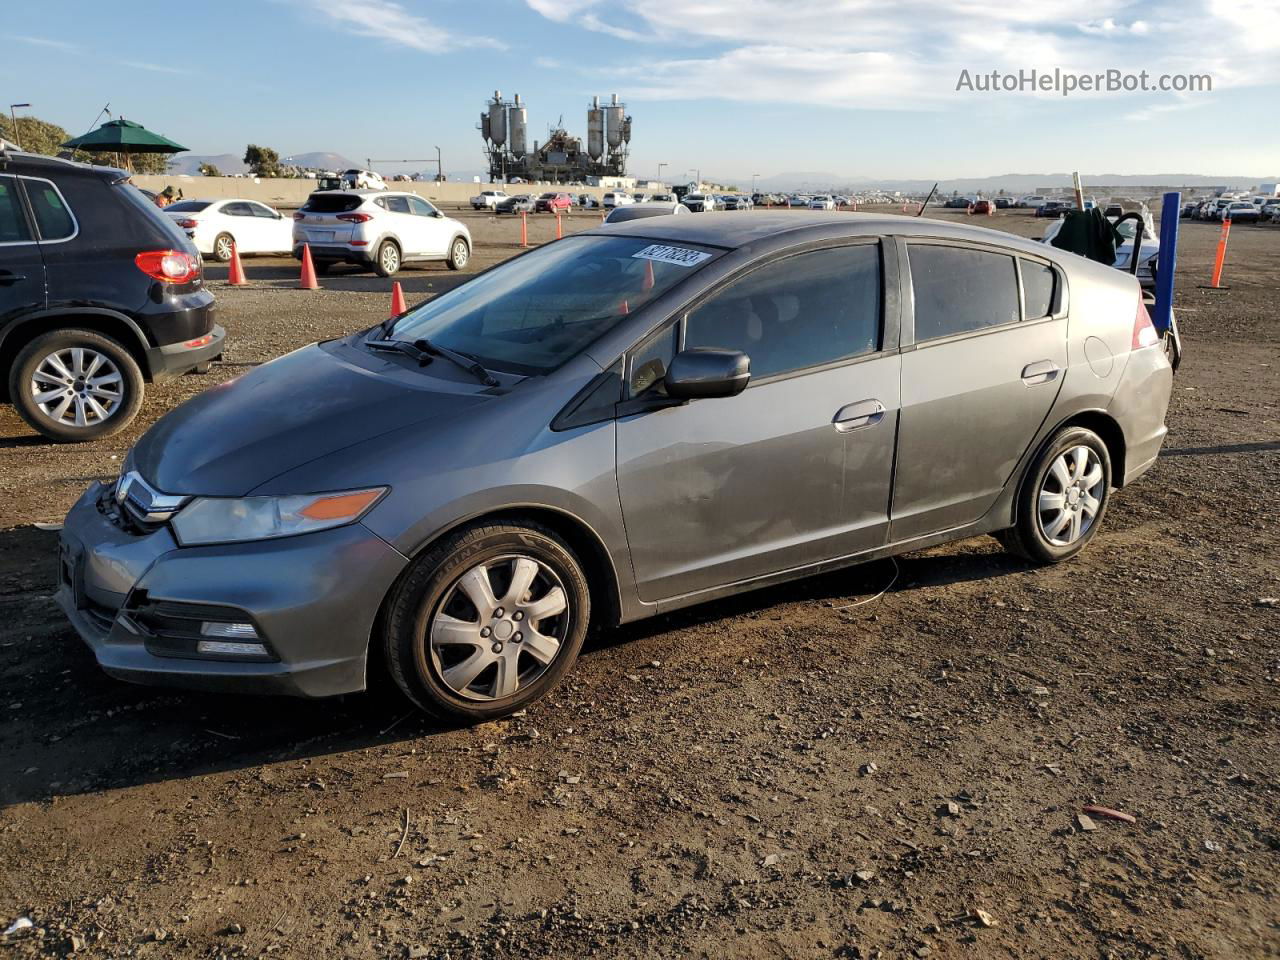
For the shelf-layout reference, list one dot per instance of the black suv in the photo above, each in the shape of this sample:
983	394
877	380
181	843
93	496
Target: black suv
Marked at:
99	293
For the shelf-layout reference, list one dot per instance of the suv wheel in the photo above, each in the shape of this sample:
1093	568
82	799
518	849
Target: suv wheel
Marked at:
388	261
487	621
1063	498
459	254
223	246
74	385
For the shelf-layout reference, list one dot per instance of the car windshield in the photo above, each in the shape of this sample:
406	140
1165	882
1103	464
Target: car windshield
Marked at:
187	206
537	311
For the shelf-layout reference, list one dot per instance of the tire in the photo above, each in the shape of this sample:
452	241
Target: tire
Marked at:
459	660
223	244
387	262
41	363
1053	474
459	254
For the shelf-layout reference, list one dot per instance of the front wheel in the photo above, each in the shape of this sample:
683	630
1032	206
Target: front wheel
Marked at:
75	385
459	254
487	621
1063	499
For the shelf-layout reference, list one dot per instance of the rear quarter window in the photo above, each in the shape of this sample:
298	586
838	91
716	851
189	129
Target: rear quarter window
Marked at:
53	219
961	290
1038	285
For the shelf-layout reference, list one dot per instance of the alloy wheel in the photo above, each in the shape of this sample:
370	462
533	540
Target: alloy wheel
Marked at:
1070	496
222	248
459	253
390	258
499	627
77	387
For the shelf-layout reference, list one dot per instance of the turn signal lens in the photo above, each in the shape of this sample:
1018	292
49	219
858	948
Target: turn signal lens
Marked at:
342	506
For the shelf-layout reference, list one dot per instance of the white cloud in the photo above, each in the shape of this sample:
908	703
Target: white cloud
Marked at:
153	67
863	53
392	23
46	42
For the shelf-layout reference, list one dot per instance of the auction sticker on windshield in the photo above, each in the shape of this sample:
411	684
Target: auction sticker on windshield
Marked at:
680	256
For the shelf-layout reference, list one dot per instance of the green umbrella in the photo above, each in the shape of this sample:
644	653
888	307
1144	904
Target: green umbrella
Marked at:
123	136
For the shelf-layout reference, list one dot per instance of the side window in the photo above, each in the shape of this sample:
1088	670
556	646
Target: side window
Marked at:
398	204
797	312
381	202
1038	283
959	290
13	225
237	210
52	216
648	362
421	207
258	210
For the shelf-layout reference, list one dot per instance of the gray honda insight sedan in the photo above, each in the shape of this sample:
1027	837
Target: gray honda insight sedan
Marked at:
621	423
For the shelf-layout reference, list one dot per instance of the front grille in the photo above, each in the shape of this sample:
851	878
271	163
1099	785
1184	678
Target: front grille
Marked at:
123	516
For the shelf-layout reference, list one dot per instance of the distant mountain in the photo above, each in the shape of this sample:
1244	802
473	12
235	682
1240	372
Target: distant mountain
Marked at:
1015	183
228	163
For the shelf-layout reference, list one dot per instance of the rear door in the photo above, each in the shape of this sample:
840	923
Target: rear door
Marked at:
978	380
22	286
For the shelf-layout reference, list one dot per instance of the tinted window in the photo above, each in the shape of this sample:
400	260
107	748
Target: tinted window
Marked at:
258	210
52	216
796	312
13	225
237	209
398	204
958	290
187	206
1037	289
332	202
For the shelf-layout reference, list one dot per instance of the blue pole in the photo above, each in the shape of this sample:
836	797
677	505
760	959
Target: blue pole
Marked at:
1166	260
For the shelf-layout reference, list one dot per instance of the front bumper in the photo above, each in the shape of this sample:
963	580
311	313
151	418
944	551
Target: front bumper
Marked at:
314	599
175	359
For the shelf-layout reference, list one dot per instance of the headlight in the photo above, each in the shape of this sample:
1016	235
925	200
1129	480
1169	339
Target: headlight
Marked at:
221	520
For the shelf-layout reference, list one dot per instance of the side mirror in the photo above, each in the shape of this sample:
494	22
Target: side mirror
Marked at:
702	372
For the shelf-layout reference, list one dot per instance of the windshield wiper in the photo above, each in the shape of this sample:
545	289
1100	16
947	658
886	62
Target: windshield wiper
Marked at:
424	351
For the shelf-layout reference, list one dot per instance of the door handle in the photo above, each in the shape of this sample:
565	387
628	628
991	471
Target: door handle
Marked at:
8	276
1042	371
864	413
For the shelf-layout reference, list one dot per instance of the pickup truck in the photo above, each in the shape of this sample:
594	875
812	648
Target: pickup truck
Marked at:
487	198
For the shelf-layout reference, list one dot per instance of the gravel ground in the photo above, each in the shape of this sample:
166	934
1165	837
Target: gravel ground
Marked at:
762	777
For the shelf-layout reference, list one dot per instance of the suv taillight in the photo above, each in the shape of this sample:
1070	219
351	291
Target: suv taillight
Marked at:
355	217
168	266
1144	331
299	215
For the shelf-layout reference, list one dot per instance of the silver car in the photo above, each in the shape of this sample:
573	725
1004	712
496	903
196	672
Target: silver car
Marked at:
624	422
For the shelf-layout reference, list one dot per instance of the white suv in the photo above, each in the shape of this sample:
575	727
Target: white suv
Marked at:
363	180
487	198
611	200
378	229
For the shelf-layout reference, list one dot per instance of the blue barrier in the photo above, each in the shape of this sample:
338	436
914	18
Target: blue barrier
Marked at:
1166	260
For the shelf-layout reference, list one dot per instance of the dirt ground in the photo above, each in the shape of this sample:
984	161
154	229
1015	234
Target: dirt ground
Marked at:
770	776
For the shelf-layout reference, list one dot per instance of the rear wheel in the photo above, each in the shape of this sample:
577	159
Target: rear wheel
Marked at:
223	246
459	254
75	385
388	260
487	621
1063	499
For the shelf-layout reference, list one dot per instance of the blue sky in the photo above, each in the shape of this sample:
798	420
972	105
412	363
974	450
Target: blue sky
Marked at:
851	87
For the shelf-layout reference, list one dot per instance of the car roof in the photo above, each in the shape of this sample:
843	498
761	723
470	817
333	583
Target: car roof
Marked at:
58	164
731	231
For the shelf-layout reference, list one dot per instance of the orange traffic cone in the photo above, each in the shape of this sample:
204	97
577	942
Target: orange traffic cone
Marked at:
648	275
626	308
307	280
397	300
524	229
235	275
559	226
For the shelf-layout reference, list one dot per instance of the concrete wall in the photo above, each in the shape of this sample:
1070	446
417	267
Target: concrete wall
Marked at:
292	193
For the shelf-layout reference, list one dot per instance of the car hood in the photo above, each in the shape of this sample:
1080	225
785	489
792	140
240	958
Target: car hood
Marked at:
283	414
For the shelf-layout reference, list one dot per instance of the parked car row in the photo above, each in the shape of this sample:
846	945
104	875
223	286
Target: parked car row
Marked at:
1238	210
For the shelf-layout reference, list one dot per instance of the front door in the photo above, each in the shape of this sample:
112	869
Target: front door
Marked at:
435	233
979	384
794	470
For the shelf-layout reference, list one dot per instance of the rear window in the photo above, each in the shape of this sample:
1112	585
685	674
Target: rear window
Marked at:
139	201
188	206
961	290
52	216
13	225
332	202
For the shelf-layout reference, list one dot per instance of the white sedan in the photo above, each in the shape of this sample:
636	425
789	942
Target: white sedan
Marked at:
215	226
